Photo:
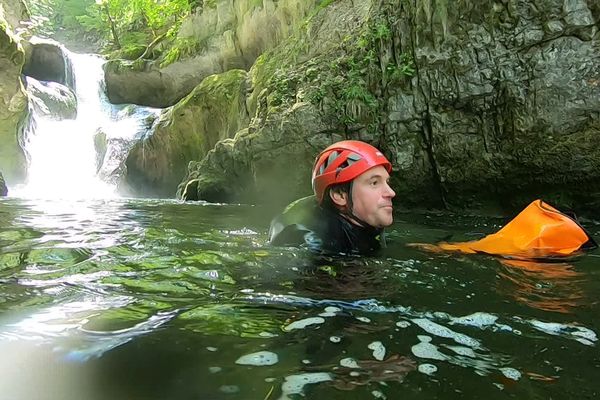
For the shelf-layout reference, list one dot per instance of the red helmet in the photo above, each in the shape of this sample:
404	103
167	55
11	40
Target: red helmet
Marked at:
342	162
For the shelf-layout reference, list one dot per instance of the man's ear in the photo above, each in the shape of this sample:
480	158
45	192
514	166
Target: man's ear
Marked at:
339	198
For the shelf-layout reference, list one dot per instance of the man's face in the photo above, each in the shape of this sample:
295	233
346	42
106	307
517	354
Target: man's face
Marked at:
372	197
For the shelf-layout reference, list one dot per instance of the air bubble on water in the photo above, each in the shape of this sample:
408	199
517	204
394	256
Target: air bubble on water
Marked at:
214	370
258	359
335	339
378	395
209	348
363	319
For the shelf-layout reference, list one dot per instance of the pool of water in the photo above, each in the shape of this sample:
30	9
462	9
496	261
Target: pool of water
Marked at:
149	299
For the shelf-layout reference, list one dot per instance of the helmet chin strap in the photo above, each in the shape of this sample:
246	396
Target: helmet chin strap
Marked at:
349	212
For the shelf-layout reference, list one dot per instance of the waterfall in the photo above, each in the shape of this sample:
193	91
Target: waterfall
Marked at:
81	157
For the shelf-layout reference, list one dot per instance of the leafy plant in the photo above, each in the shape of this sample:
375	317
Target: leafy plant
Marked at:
181	48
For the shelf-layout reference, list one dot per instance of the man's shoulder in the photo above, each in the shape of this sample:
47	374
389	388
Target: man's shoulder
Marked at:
298	218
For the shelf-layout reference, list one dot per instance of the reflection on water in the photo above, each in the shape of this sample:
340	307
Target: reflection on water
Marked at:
132	299
545	286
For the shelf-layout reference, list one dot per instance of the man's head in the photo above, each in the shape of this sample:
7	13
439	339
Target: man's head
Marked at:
353	176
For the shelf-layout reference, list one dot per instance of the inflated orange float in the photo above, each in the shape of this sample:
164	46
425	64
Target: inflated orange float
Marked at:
540	231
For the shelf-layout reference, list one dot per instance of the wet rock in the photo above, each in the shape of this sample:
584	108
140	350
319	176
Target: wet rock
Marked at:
52	99
3	188
474	104
13	100
215	110
46	61
100	145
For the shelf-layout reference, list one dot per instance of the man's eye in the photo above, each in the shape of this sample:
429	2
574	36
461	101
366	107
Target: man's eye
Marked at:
374	183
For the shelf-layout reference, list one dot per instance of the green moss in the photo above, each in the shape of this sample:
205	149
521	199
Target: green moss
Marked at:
181	49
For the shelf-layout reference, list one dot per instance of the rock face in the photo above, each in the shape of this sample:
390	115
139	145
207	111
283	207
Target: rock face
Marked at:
475	104
222	35
13	101
3	188
52	100
213	111
46	61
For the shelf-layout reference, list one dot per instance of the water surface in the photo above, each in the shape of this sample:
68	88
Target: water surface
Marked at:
155	299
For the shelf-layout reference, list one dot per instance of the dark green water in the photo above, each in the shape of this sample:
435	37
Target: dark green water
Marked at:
130	299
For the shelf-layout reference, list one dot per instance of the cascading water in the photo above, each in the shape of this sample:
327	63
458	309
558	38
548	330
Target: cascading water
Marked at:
81	157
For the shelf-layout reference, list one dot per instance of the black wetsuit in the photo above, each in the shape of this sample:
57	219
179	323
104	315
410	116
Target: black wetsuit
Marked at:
304	222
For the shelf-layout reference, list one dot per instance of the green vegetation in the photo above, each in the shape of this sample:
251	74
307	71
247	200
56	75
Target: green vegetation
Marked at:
347	82
117	24
181	48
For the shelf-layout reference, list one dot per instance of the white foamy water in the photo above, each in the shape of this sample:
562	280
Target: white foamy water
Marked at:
62	155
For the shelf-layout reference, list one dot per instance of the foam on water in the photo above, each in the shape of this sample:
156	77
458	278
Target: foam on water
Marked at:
402	324
478	319
303	323
511	373
349	363
294	384
442	331
258	359
427	369
426	350
378	350
580	333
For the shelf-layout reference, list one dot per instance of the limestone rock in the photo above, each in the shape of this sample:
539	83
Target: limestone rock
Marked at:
213	111
46	61
51	99
3	188
220	36
475	104
13	101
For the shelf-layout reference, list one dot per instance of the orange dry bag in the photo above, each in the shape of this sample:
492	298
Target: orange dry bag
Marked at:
539	232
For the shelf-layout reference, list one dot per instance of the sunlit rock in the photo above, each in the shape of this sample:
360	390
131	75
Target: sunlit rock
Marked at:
218	37
215	110
13	100
52	99
100	145
3	188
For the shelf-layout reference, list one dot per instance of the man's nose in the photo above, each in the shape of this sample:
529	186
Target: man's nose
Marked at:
389	191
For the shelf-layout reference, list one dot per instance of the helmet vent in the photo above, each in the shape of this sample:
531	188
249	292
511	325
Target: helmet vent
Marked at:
329	160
